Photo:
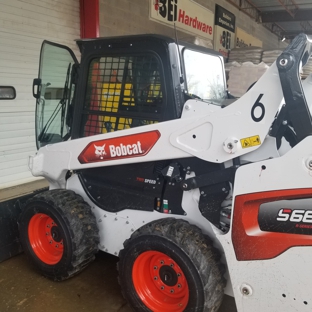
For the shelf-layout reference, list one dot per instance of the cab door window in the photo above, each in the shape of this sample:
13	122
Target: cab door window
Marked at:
55	93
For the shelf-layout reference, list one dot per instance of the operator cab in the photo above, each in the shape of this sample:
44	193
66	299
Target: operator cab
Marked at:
121	83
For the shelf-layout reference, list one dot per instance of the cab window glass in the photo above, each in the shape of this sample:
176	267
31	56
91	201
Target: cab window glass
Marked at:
204	75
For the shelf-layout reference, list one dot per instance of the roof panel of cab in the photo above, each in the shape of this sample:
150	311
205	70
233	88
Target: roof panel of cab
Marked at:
123	41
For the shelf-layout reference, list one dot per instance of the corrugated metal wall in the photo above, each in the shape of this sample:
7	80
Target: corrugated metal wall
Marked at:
24	24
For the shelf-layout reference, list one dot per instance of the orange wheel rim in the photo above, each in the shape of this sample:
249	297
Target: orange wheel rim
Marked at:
45	238
160	283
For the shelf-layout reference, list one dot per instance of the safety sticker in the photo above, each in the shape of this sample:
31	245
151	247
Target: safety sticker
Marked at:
251	141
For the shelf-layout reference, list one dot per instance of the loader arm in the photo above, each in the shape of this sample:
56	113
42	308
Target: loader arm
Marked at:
296	110
204	130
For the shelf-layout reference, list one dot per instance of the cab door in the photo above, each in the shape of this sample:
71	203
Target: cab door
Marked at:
54	93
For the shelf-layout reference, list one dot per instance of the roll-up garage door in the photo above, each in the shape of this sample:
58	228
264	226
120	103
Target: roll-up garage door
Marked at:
24	24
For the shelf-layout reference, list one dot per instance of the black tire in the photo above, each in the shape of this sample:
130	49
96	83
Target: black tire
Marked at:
58	233
196	260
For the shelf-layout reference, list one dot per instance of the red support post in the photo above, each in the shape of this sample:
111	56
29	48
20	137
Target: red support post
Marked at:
89	19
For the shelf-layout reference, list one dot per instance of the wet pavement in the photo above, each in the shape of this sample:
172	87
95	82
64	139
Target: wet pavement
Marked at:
95	289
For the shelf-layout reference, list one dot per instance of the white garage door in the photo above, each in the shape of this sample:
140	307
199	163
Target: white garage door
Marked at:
24	24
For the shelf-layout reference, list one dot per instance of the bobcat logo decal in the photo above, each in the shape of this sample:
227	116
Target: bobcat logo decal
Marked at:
100	151
118	148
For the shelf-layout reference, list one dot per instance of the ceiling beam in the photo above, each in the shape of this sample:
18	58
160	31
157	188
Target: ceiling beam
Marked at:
306	26
290	6
247	7
283	16
293	34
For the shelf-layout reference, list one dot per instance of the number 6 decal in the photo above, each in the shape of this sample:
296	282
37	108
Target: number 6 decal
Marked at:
261	106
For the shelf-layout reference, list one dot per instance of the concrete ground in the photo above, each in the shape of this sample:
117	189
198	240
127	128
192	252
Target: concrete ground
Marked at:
95	289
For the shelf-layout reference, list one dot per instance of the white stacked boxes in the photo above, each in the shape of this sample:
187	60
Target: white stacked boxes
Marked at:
243	76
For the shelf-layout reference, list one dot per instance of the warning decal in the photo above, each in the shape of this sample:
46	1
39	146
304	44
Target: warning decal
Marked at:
251	141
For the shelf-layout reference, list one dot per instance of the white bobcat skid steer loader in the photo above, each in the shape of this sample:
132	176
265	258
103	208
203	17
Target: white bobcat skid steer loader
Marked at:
195	197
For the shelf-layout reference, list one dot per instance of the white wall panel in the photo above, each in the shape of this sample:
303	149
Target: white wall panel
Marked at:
24	24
